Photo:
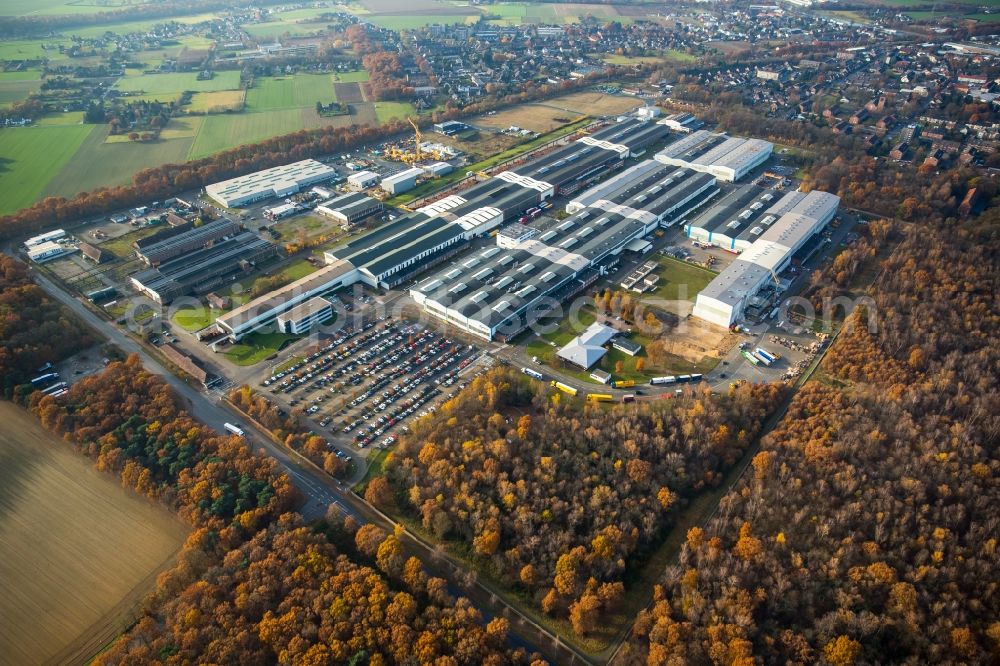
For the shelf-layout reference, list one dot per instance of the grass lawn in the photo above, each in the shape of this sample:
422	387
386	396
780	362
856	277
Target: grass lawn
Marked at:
221	132
160	84
195	318
57	119
256	347
240	291
386	111
376	461
32	49
404	22
311	225
679	280
122	246
30	157
101	164
17	90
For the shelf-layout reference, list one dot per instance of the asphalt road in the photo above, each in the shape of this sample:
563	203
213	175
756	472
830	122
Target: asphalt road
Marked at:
319	491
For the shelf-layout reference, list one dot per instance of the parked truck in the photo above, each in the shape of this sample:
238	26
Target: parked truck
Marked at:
564	388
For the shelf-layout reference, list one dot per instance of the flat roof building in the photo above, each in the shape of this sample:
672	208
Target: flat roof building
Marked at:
301	319
362	180
800	216
726	158
264	310
48	236
278	181
404	181
350	209
48	250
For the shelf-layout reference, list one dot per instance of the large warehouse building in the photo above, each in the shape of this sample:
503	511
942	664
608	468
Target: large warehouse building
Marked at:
202	270
736	221
174	244
279	181
350	209
799	217
397	252
726	158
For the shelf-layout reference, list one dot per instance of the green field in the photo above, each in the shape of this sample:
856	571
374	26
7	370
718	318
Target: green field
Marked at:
17	91
32	49
161	84
29	7
290	92
101	164
404	22
30	157
386	111
517	13
222	132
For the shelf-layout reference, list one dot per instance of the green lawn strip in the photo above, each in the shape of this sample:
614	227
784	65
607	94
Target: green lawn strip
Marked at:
256	347
509	154
195	318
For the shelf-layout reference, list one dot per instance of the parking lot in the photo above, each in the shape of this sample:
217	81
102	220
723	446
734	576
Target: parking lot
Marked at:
363	385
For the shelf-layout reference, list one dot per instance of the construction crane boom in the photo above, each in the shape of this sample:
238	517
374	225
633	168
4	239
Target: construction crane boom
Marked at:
416	131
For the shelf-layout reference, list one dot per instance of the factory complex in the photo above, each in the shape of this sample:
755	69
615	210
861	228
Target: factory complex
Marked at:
495	290
798	218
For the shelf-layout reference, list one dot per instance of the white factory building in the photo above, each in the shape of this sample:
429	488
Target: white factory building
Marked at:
279	181
260	312
404	181
727	158
301	319
362	180
799	217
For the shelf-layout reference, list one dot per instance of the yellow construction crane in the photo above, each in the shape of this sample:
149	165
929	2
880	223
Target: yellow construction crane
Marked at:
418	138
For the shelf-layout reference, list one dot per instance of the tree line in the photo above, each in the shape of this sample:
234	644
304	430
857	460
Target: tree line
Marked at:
561	501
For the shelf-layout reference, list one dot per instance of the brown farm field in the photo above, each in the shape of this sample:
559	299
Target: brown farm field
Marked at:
594	103
77	551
